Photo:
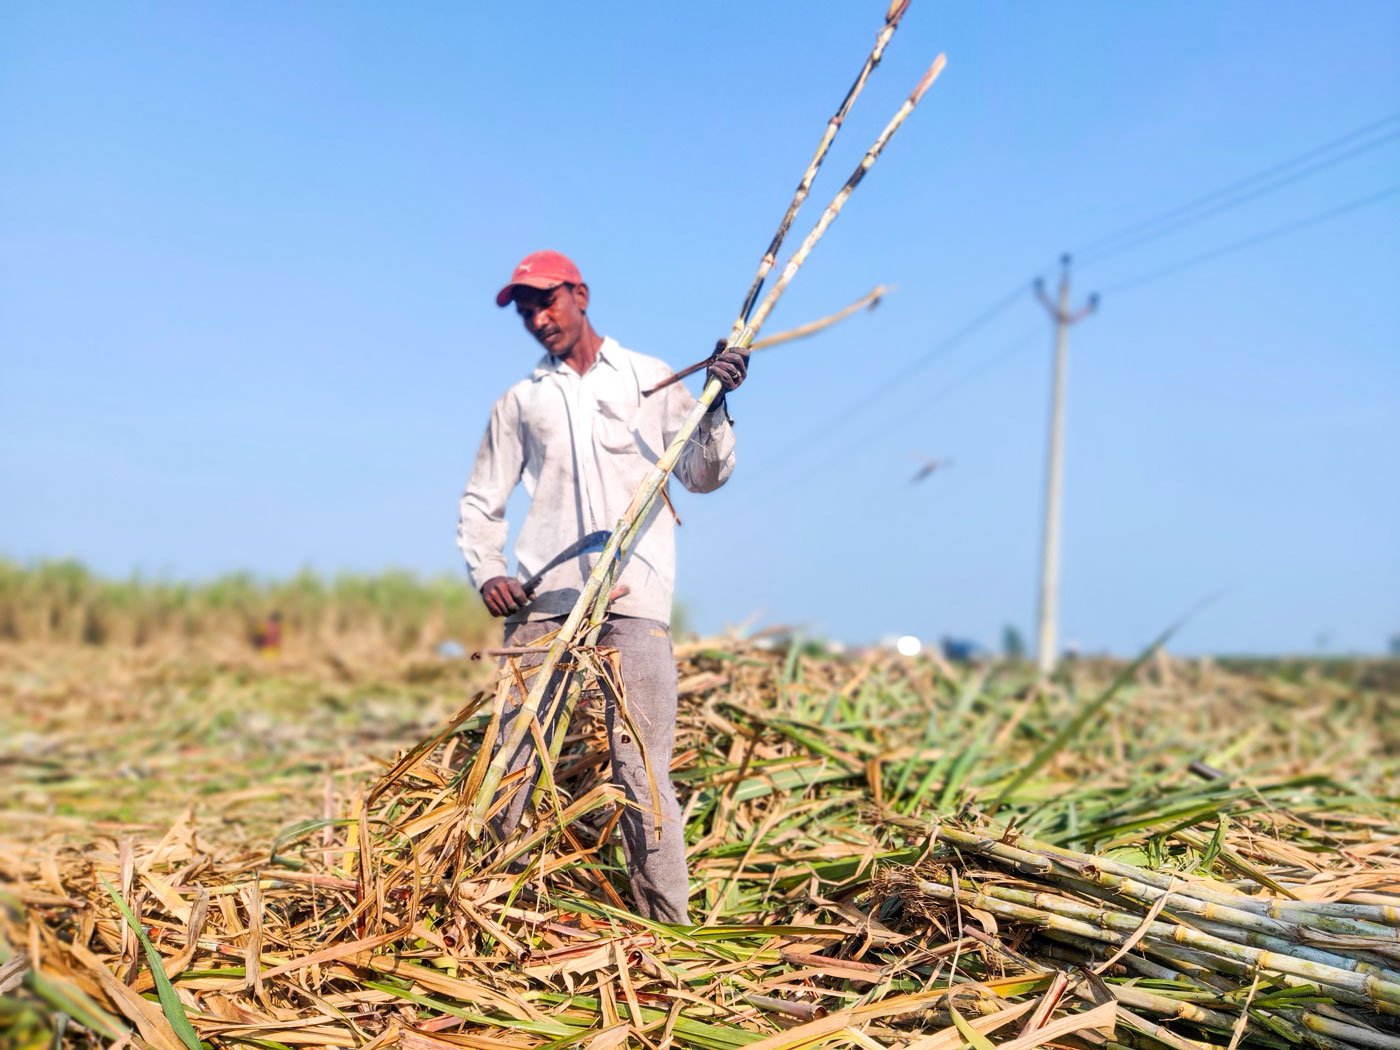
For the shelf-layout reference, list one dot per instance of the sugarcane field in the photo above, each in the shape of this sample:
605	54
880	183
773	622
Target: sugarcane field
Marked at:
392	657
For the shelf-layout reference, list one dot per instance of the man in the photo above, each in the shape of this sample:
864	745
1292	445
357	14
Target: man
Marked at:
581	436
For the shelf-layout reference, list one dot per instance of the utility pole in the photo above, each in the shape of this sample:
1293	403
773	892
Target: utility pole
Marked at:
1048	629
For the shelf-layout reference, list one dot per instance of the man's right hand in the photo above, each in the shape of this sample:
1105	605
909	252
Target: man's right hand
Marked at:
504	595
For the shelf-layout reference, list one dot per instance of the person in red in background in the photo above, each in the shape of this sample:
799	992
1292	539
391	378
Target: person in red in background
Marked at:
267	639
581	437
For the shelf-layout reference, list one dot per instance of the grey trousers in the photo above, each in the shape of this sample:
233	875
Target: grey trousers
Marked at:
656	864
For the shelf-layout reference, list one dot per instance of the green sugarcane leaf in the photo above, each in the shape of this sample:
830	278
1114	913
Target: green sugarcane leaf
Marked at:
974	1038
169	1001
1075	725
1216	844
67	998
792	670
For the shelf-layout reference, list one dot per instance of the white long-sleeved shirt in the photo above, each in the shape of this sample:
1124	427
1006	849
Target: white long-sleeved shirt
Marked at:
582	444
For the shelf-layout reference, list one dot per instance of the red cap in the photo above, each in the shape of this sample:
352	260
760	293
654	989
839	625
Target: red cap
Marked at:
540	270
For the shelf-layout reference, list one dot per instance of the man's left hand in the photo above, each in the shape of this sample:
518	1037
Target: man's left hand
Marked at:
730	366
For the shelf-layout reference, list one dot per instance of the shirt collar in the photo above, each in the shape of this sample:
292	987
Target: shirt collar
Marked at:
608	354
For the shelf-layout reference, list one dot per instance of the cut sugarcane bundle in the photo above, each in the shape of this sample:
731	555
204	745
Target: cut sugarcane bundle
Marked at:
770	257
1223	960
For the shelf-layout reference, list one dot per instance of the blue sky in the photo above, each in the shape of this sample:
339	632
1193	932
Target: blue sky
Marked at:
248	253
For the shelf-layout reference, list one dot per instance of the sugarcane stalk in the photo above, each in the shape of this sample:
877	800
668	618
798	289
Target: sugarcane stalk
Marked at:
1223	930
1372	948
870	299
1382	914
745	331
838	202
1384	995
1198	968
1360	920
1165	1006
567	698
1208	912
770	257
1079	862
1379	937
1299	1024
1348	1034
802	1011
1208	963
639	510
1358	962
1018	859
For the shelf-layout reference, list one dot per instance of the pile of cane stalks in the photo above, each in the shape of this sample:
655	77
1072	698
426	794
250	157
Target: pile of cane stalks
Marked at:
885	852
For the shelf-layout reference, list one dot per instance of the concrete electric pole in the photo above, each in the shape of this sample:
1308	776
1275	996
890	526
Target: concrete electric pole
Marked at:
1048	629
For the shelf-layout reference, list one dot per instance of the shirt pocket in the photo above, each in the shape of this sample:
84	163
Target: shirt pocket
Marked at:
613	429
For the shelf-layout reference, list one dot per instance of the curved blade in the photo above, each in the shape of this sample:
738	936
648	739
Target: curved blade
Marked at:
594	541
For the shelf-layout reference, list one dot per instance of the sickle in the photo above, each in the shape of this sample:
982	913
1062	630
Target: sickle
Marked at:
594	541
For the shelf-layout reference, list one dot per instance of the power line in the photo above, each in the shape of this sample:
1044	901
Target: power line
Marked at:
1006	353
1100	244
898	380
1028	338
1254	239
1232	195
1238	200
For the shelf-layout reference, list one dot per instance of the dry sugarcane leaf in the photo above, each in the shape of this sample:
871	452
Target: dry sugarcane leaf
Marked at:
609	1038
168	896
1099	1019
951	1038
974	1038
307	1032
175	846
1046	1004
13	971
335	953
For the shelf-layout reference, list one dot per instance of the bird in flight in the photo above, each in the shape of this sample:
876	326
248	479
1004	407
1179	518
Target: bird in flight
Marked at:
930	465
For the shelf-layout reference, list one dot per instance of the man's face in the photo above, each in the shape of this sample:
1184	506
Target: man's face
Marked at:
554	316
